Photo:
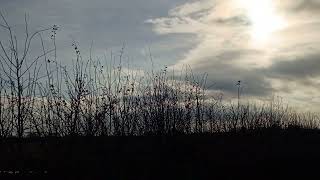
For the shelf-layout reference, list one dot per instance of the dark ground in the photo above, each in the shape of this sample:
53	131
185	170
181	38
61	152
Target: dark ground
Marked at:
263	154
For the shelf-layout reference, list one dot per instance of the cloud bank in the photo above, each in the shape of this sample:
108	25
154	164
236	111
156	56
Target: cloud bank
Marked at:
287	64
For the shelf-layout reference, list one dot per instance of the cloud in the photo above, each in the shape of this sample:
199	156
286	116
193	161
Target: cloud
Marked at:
287	64
300	68
224	75
108	23
308	5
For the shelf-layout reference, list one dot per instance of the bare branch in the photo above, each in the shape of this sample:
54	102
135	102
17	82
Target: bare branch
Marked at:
26	50
40	56
6	55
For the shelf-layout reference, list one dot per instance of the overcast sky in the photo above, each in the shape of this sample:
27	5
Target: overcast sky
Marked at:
272	46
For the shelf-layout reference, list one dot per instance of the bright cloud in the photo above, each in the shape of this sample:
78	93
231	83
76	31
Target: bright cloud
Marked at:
259	42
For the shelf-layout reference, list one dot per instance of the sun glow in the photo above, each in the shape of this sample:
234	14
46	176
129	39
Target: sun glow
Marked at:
263	18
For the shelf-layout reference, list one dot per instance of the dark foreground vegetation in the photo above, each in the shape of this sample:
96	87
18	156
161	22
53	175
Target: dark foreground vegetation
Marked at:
100	119
256	154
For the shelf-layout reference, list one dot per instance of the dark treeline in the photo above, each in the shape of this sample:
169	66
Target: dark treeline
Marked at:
39	96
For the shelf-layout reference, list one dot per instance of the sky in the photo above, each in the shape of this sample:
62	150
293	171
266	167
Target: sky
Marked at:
272	46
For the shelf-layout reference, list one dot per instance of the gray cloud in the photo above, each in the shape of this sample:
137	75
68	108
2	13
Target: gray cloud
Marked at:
224	74
299	68
109	23
308	5
300	73
236	20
